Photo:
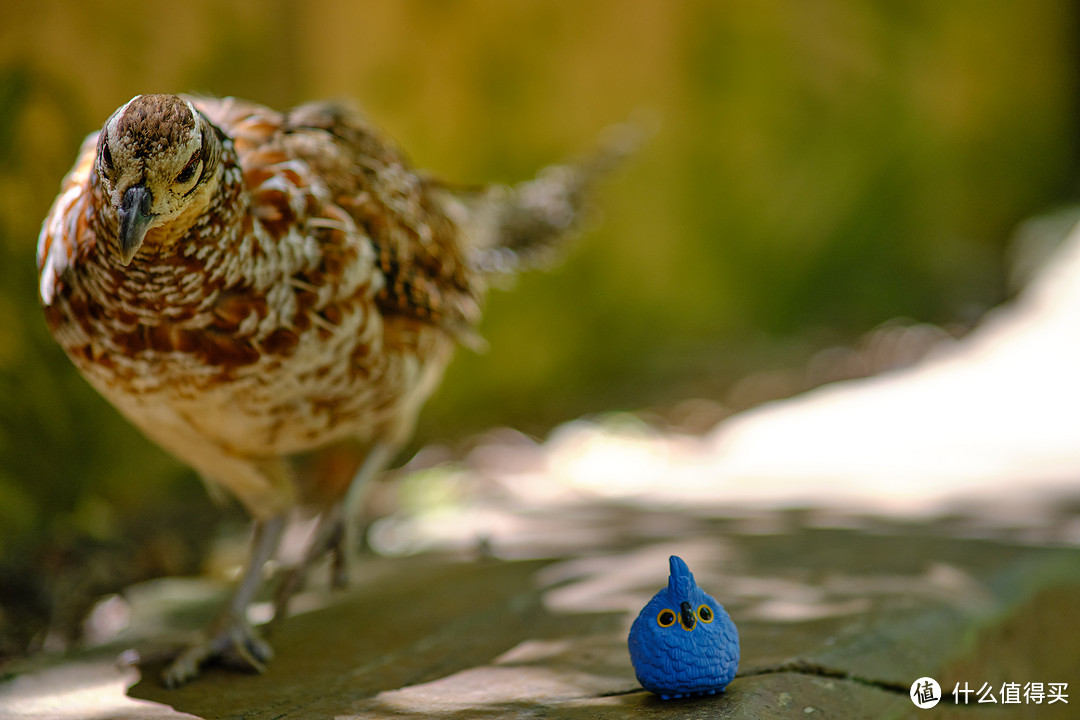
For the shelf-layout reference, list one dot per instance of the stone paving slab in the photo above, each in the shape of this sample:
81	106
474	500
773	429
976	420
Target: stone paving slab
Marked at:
834	622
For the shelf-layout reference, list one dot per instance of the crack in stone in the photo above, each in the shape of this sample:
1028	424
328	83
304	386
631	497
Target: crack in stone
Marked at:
804	667
801	667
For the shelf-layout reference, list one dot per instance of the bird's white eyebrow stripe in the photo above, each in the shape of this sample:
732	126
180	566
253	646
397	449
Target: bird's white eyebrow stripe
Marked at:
122	111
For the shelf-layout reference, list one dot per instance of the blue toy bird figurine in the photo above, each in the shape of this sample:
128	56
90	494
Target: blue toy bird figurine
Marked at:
683	642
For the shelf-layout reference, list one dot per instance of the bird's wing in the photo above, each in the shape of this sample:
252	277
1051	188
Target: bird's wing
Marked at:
417	247
65	232
323	164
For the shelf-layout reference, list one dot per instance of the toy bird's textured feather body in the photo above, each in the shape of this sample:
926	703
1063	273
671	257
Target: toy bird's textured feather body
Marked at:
317	296
683	642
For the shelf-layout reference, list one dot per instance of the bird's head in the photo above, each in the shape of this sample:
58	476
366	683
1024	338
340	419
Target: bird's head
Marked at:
157	158
682	605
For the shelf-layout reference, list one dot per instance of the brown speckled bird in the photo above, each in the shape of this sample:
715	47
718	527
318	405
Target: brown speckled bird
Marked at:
245	285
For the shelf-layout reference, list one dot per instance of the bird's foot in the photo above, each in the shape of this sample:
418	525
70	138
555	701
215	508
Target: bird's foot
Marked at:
234	643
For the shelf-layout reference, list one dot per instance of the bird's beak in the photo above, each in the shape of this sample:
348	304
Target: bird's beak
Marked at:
686	616
135	219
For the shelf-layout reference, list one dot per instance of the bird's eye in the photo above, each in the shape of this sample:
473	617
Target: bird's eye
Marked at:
189	170
705	613
666	618
106	156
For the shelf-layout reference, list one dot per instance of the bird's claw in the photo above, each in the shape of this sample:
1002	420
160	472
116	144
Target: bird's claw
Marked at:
237	645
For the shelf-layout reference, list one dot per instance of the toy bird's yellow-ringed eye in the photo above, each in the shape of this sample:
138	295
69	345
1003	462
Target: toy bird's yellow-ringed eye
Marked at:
666	618
705	613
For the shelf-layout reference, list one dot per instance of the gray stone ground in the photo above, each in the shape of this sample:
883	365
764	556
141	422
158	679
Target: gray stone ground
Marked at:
838	615
507	584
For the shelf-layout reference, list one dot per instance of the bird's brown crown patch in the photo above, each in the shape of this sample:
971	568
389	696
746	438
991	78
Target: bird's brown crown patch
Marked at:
149	120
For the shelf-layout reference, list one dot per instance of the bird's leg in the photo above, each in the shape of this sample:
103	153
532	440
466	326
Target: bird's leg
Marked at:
323	539
336	531
377	459
231	636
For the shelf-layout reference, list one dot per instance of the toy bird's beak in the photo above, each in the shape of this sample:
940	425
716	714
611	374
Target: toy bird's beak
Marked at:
686	616
135	219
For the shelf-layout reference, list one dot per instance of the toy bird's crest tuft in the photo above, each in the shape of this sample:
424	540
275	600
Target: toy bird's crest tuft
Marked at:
681	580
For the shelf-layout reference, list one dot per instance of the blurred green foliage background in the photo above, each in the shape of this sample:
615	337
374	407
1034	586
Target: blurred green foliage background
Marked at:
820	167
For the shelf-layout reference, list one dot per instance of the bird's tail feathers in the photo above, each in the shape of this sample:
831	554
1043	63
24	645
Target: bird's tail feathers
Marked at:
525	226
